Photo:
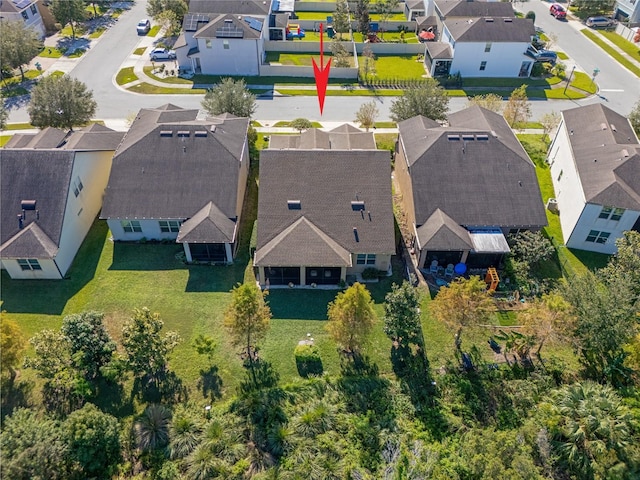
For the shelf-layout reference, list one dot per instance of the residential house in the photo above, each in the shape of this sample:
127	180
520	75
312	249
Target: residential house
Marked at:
52	188
476	39
323	214
180	177
23	11
595	168
343	137
627	11
464	187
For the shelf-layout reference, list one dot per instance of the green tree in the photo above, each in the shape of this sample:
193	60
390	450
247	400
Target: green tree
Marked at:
593	429
589	8
362	14
341	18
301	124
634	117
340	54
19	44
490	101
169	21
33	447
90	344
12	346
4	113
367	114
517	112
606	320
94	441
368	63
152	428
247	320
61	102
531	15
429	99
625	264
464	303
230	96
549	122
531	247
351	317
155	8
385	9
184	433
402	315
147	351
68	12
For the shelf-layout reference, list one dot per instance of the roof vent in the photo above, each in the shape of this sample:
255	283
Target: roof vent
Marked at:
355	234
20	221
482	137
31	204
468	138
200	133
625	152
357	205
603	126
166	133
494	134
228	20
184	133
294	204
453	138
613	127
488	20
508	20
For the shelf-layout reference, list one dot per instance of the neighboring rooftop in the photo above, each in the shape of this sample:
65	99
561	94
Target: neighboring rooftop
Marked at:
94	137
343	137
234	7
491	29
457	8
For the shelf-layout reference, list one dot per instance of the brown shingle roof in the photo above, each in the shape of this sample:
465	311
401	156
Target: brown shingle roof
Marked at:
491	29
441	232
458	8
209	225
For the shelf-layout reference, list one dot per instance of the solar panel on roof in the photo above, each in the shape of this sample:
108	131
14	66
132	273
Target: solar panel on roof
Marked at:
254	23
21	3
192	21
229	30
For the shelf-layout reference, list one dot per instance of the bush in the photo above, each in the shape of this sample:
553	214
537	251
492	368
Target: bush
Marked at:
372	273
308	360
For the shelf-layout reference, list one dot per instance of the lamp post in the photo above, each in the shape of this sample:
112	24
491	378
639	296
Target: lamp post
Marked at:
569	79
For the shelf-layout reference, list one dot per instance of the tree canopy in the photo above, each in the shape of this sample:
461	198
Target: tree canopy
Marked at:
517	111
247	317
61	102
341	18
230	96
351	317
429	99
19	44
301	124
68	12
367	114
155	8
402	314
12	345
634	117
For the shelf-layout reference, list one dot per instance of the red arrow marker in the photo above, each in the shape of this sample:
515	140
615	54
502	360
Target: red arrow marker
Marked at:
321	74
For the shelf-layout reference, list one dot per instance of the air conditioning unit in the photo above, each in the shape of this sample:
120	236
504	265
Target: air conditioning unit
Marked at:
552	205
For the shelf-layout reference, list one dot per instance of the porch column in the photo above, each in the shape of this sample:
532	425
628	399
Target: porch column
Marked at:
261	276
343	274
421	258
303	275
465	255
227	249
187	252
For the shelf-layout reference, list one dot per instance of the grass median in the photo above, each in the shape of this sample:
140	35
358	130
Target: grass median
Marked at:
619	57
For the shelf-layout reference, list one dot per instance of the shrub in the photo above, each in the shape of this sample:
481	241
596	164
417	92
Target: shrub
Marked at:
308	360
371	273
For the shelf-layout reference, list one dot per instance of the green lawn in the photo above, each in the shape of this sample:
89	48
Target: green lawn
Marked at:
139	51
562	56
298	59
149	89
18	126
4	139
96	33
51	52
584	82
125	76
288	124
593	36
154	31
401	67
625	45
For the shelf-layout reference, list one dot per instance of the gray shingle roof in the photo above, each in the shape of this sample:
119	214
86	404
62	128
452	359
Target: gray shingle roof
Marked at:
46	138
492	29
236	7
41	175
94	137
415	4
325	183
476	178
209	225
441	50
605	150
222	21
344	137
171	164
458	8
441	232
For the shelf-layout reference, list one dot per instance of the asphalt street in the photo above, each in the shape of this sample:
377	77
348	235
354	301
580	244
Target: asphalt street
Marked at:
620	89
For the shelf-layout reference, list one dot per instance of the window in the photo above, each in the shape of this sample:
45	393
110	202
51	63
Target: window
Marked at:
34	9
25	15
77	186
130	226
167	226
29	264
611	213
207	43
483	65
225	44
487	47
598	237
560	174
366	259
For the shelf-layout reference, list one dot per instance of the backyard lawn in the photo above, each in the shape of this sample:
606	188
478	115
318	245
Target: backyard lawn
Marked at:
397	67
299	59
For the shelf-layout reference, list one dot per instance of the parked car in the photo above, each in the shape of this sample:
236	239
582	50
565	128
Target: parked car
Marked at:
143	26
162	54
558	11
538	43
600	22
542	55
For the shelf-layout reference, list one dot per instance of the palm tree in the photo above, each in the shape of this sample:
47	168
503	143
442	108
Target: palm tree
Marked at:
185	434
152	428
593	428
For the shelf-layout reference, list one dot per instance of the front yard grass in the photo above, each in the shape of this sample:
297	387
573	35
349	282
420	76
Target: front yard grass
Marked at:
595	38
402	67
298	59
625	45
288	124
154	31
51	52
4	139
149	89
139	51
125	76
18	126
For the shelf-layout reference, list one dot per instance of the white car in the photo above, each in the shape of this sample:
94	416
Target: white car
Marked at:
143	26
162	53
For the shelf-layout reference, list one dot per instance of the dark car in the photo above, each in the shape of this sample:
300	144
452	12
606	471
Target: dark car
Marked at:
558	11
600	22
542	55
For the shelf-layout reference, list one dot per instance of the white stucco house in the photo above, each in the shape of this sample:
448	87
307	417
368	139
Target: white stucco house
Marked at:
595	167
23	11
476	39
52	188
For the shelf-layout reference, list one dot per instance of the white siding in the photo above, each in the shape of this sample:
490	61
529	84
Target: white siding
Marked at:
589	221
382	263
150	230
93	170
49	270
241	58
504	59
33	21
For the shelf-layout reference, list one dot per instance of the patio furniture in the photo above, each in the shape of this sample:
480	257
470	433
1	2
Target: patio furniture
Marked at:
433	269
448	273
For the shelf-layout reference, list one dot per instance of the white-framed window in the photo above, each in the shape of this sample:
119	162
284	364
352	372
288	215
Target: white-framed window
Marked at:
25	15
168	226
225	44
483	65
207	43
34	9
77	186
29	264
131	226
611	213
598	237
487	47
366	259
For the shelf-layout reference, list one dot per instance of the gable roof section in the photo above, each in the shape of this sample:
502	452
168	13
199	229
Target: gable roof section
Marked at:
326	182
472	175
491	29
41	175
302	243
415	4
457	8
439	50
605	152
441	232
234	7
14	6
344	137
170	164
94	137
228	22
209	225
49	137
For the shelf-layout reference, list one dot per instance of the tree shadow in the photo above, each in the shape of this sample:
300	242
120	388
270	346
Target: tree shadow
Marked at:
218	278
14	395
210	383
146	256
362	387
110	398
309	367
166	388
